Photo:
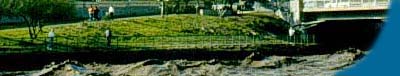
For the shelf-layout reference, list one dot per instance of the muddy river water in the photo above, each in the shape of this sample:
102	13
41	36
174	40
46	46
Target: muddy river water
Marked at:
253	64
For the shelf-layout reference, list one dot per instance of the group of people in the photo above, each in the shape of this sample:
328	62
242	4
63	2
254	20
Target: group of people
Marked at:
94	12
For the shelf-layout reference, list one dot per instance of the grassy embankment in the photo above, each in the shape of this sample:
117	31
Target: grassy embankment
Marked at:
154	31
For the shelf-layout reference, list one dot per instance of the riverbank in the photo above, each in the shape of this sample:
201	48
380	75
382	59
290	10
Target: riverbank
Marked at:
155	32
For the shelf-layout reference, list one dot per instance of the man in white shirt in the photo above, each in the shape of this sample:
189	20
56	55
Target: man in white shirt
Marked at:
108	37
110	11
51	39
291	33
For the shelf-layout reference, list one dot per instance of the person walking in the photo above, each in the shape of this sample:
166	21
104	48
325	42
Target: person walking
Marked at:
51	36
108	37
91	12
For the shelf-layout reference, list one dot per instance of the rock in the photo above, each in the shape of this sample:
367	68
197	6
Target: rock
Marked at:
213	61
202	29
211	30
248	59
257	64
253	33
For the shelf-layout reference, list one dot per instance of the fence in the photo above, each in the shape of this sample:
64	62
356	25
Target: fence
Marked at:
155	42
345	3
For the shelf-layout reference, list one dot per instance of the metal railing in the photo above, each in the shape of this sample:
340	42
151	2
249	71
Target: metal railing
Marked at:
72	43
345	3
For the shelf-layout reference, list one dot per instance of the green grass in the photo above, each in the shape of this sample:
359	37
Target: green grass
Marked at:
153	31
171	25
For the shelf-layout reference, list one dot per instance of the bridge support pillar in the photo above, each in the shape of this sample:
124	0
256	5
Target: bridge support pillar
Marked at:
296	10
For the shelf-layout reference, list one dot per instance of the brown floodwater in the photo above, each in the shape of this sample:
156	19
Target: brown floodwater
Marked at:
254	64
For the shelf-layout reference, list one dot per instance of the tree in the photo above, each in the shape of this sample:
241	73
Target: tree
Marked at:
5	6
222	6
176	6
34	12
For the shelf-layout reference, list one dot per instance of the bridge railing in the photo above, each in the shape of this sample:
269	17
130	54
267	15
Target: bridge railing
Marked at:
71	43
344	3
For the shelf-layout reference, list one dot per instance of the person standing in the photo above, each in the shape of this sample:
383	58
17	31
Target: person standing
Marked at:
96	11
291	31
108	37
51	36
110	11
91	13
291	34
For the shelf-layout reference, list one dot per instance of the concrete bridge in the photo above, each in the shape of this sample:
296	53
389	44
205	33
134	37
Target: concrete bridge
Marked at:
308	13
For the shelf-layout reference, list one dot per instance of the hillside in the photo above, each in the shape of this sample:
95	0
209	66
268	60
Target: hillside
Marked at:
154	31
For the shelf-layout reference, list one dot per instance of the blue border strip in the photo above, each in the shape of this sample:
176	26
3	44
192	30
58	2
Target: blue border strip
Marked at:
384	58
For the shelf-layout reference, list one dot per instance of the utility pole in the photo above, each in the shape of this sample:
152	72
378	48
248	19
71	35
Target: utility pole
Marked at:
197	7
162	6
162	9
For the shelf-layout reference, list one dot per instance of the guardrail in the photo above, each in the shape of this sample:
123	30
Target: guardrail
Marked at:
153	42
344	3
